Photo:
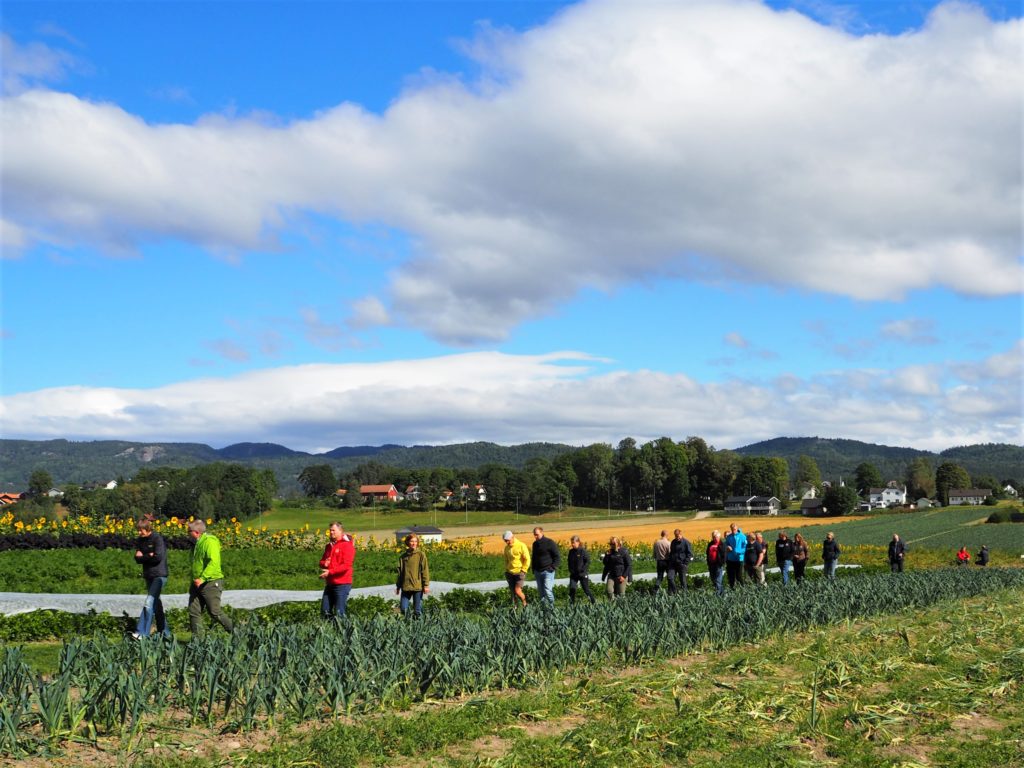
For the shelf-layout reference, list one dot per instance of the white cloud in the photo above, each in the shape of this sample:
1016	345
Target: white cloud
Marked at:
563	397
27	65
737	340
914	330
620	141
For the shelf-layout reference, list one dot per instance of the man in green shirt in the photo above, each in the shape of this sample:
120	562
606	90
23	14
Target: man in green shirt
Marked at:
207	580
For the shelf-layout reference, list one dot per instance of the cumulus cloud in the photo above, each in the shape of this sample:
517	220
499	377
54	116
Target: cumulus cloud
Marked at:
620	141
562	397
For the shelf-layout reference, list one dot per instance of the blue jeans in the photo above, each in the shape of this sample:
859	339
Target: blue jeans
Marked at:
786	567
717	575
417	602
335	599
153	608
830	568
546	585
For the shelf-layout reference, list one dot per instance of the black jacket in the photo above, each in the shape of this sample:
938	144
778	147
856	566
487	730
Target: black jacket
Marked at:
154	555
579	564
616	564
829	550
783	551
982	556
896	551
546	556
680	553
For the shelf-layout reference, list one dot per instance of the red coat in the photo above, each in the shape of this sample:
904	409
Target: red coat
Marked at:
337	559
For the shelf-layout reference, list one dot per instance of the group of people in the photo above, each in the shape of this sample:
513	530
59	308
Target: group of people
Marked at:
734	557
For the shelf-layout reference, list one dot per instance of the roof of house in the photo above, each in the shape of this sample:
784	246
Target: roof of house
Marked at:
811	503
377	489
970	492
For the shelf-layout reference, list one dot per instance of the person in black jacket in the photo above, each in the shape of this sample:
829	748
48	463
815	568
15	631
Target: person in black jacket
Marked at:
982	558
151	554
545	560
617	568
830	555
716	561
897	550
784	556
579	570
680	556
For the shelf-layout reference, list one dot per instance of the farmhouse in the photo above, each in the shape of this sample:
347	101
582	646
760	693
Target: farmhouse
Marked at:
753	505
885	497
968	495
428	534
379	492
812	508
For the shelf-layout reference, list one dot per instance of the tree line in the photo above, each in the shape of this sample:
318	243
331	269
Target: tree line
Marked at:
660	474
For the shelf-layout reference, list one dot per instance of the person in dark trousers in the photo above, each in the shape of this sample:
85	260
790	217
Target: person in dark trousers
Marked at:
662	548
579	570
617	567
735	550
151	554
982	559
413	577
784	556
750	557
336	571
207	581
830	555
759	558
897	550
545	559
679	558
716	561
800	553
963	557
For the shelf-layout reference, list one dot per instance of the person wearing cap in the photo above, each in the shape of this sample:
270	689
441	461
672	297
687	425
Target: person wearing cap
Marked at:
517	563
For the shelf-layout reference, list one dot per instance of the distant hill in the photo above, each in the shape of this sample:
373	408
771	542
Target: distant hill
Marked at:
240	451
839	458
103	460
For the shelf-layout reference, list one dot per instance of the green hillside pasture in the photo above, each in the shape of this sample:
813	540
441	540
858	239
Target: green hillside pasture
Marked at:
110	571
927	529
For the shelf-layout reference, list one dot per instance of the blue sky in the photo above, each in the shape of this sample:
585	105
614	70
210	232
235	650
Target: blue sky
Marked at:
323	224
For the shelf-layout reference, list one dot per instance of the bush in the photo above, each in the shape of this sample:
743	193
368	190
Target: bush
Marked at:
999	516
991	501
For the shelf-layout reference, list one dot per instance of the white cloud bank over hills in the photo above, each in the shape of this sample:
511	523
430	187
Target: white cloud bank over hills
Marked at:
621	141
560	397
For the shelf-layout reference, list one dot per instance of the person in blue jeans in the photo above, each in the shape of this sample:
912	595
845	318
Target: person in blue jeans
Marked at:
151	554
735	551
716	561
545	559
830	555
784	556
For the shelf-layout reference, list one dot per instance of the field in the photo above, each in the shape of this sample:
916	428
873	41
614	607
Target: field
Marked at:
921	670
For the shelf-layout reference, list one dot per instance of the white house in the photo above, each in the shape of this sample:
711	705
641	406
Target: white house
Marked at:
885	497
1009	490
753	505
968	495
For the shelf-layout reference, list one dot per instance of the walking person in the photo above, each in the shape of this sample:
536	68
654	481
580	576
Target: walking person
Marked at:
546	559
679	558
579	570
760	558
784	556
735	549
662	550
982	556
413	577
800	553
617	567
151	554
336	571
716	561
207	580
830	555
897	549
517	563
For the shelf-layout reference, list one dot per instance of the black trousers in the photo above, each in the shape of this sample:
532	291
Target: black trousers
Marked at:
676	571
585	583
734	572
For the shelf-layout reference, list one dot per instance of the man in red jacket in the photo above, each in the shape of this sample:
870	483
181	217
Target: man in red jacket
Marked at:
336	571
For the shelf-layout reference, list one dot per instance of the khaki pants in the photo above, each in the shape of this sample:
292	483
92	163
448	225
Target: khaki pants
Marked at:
206	596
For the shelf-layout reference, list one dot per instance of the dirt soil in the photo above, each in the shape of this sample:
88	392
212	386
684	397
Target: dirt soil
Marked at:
597	533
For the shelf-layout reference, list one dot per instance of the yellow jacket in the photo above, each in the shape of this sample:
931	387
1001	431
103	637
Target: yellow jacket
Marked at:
517	557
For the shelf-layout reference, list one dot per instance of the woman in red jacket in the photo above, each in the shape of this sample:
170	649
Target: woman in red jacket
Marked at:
336	571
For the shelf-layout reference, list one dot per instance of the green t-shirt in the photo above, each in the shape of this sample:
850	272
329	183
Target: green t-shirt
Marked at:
206	558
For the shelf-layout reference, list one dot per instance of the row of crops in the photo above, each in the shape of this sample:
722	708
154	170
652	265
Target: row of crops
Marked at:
269	672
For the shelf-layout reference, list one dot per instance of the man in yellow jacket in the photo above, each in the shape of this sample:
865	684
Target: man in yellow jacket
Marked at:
517	563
